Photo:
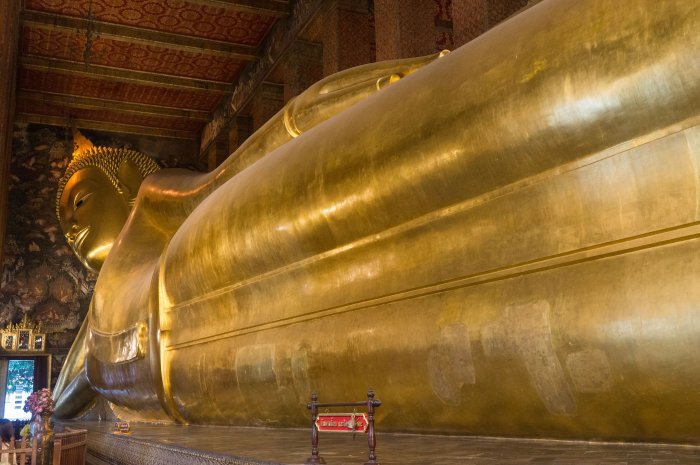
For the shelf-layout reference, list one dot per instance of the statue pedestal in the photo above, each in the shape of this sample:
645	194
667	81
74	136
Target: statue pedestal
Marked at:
159	444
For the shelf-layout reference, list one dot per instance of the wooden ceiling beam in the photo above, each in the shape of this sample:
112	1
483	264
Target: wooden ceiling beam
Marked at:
105	126
120	74
275	8
74	101
142	36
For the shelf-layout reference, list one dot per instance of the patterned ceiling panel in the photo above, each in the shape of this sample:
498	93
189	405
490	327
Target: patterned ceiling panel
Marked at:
41	108
176	16
67	45
60	83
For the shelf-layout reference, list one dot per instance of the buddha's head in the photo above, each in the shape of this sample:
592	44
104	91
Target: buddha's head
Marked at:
95	197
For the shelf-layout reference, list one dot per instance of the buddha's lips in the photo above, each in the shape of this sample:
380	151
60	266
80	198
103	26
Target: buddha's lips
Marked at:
80	238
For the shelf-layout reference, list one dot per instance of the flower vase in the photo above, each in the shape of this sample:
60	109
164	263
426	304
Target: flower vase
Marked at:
41	429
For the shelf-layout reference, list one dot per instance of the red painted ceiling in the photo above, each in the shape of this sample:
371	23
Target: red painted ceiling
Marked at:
68	45
181	17
164	54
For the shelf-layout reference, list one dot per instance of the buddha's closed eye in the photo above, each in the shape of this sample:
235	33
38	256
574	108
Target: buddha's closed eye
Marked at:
80	199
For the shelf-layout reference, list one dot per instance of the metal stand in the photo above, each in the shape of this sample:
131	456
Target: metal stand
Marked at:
315	458
371	439
371	405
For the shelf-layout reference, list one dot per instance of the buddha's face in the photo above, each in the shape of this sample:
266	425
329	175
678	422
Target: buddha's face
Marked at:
92	213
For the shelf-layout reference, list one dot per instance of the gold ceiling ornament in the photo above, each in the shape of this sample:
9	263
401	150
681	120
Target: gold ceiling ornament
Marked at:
24	336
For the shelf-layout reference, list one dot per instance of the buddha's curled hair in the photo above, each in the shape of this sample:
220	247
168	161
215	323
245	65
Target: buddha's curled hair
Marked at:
108	160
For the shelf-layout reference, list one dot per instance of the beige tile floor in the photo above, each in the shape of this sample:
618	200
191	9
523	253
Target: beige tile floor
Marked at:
291	447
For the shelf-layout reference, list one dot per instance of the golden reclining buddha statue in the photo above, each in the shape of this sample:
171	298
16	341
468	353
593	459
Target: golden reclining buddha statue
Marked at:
504	240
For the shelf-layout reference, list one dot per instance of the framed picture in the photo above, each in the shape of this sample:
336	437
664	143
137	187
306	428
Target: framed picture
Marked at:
38	342
9	341
24	339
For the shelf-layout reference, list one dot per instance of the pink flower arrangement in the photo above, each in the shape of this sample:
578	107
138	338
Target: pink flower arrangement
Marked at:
40	402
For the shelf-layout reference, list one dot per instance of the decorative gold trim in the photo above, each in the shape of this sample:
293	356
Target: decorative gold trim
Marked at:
22	336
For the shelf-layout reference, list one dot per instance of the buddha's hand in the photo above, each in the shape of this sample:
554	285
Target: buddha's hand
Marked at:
341	90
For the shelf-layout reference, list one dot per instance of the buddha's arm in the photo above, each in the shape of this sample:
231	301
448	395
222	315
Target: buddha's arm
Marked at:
321	101
171	195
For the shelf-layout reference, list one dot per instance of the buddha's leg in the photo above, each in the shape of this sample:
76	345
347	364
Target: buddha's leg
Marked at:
320	102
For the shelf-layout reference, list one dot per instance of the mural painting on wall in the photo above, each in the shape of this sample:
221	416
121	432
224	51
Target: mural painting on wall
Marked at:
41	277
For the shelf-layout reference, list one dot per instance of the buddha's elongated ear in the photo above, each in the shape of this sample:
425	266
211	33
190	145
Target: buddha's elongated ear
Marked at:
130	180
